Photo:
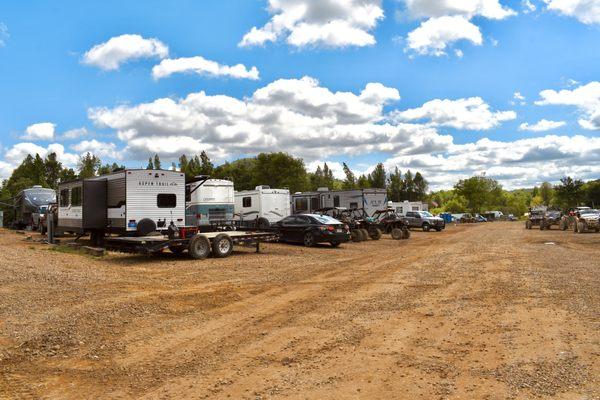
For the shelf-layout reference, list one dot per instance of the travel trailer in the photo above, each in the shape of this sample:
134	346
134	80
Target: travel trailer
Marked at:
30	204
209	202
402	207
370	199
262	206
124	202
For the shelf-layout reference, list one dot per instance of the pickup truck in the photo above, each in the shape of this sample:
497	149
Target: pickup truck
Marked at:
424	220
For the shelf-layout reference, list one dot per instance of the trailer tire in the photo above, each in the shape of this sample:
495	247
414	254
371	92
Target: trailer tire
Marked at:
397	234
145	226
356	235
375	234
222	246
262	223
199	247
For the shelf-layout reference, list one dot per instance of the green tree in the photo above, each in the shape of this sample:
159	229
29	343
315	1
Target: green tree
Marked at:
408	186
420	187
53	170
150	163
280	170
88	165
479	192
546	192
363	182
591	191
241	172
157	164
569	193
206	166
350	181
395	185
377	178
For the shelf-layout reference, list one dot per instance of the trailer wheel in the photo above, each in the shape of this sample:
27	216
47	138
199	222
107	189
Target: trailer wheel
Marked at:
405	233
375	233
262	223
356	235
397	234
145	226
222	246
199	247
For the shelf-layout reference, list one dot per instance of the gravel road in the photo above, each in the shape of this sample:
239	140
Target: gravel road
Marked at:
488	311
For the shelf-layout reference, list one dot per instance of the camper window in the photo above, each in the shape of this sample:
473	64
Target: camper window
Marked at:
166	200
76	197
247	202
314	203
336	201
64	198
353	206
301	205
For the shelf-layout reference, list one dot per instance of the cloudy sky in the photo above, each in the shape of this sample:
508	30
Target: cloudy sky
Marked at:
451	88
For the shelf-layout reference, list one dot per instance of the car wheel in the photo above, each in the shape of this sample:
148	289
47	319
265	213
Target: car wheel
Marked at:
582	227
397	234
199	247
222	246
528	225
335	244
375	233
309	239
438	229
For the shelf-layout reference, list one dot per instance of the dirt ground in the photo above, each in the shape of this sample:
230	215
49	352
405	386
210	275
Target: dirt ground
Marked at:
488	311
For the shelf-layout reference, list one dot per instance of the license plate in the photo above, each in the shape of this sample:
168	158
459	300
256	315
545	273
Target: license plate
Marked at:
339	230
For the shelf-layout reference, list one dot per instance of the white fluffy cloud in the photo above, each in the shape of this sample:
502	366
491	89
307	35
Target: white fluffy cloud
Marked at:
100	149
201	66
121	49
324	23
41	131
586	11
491	9
433	36
3	34
449	21
472	114
586	98
19	151
541	126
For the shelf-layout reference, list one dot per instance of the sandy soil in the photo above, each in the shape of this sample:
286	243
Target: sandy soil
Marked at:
483	311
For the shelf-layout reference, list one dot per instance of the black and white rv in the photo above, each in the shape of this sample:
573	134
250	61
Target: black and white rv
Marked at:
262	206
369	199
133	201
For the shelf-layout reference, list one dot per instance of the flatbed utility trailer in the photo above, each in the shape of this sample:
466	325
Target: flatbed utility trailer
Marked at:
198	244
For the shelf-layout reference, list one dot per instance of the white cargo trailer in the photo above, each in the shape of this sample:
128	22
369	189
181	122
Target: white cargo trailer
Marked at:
209	202
262	206
402	207
124	202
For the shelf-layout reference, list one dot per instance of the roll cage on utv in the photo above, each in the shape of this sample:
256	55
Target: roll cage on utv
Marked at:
361	225
389	222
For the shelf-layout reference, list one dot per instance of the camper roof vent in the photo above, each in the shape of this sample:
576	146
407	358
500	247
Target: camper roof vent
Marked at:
36	186
262	187
323	189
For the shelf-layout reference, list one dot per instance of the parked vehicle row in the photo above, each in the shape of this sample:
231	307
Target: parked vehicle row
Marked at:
579	220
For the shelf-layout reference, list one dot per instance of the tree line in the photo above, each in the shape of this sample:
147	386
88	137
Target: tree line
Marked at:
480	193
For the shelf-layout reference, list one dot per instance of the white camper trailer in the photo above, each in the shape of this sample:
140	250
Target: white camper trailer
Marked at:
402	207
124	202
262	206
209	202
370	200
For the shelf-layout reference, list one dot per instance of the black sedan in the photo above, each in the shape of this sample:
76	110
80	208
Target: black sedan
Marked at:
311	229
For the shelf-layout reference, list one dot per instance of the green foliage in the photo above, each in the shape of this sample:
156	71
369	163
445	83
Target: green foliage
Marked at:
377	178
546	193
109	169
350	181
280	170
569	193
479	192
592	193
88	165
322	178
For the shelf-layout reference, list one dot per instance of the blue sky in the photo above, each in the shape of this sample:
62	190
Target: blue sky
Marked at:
486	52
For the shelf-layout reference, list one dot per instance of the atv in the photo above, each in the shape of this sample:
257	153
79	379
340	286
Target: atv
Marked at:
551	218
361	225
387	221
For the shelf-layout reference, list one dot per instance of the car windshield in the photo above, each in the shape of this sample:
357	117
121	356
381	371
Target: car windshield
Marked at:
325	219
425	214
582	212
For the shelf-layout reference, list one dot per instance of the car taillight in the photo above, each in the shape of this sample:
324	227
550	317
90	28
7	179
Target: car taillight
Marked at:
330	228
